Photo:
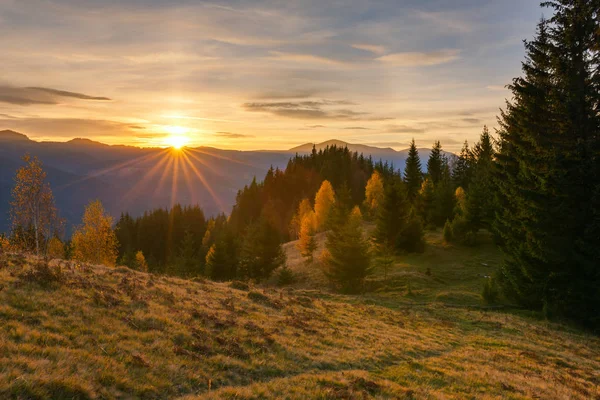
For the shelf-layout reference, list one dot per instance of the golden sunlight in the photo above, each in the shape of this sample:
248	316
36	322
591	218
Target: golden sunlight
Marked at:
177	136
176	141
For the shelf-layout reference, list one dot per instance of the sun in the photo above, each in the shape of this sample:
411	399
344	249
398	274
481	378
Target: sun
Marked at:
177	137
176	141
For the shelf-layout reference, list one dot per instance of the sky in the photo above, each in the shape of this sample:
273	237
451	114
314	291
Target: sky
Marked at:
263	74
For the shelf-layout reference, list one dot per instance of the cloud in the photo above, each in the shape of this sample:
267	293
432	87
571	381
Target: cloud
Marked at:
472	120
357	128
316	126
304	58
306	109
231	135
64	93
389	144
403	129
420	59
372	48
299	94
68	127
25	96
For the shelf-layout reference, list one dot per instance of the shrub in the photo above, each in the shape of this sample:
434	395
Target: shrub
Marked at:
285	277
490	292
411	239
448	234
42	274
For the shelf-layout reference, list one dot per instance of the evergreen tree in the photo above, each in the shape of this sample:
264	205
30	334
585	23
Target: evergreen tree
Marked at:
413	176
393	217
435	163
188	262
444	201
463	167
347	261
548	171
261	251
222	258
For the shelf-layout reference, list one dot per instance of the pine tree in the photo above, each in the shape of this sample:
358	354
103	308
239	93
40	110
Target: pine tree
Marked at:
548	171
261	251
393	216
444	201
413	176
187	261
435	163
463	167
347	261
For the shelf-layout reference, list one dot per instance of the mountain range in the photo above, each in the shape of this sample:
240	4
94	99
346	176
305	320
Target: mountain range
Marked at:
132	179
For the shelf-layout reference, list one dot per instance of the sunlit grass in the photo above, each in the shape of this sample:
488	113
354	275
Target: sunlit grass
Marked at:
116	333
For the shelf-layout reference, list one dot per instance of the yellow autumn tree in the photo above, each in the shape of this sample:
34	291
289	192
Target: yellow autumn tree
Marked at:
374	193
32	207
140	262
323	202
95	241
308	242
56	248
295	225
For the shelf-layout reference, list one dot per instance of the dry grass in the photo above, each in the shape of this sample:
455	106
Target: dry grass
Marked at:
115	333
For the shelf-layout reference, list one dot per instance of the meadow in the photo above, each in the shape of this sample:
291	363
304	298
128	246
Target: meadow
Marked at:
422	331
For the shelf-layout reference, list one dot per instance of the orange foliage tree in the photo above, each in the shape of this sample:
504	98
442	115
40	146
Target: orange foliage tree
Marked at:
32	206
95	241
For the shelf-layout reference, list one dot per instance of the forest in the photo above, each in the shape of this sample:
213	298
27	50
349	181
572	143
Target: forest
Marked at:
534	184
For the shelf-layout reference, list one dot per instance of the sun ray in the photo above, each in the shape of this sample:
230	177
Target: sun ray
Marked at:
137	160
197	150
188	183
134	189
204	182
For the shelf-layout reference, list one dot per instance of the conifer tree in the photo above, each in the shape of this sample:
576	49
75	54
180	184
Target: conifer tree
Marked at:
295	225
548	168
261	251
347	261
413	175
463	167
393	216
435	163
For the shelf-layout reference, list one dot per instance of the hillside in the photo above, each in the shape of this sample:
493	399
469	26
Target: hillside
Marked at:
102	332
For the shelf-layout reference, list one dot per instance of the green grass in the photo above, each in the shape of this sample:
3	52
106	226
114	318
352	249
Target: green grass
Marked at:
102	333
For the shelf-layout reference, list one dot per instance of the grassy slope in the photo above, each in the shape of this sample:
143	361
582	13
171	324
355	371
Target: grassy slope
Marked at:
116	333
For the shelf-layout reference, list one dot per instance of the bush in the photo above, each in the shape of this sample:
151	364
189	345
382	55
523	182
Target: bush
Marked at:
448	234
285	277
490	292
42	274
411	239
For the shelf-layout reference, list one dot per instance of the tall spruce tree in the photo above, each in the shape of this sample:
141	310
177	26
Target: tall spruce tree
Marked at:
548	171
462	171
413	175
435	163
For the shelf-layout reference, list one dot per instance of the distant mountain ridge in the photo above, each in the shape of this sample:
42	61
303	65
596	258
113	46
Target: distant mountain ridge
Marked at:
134	180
